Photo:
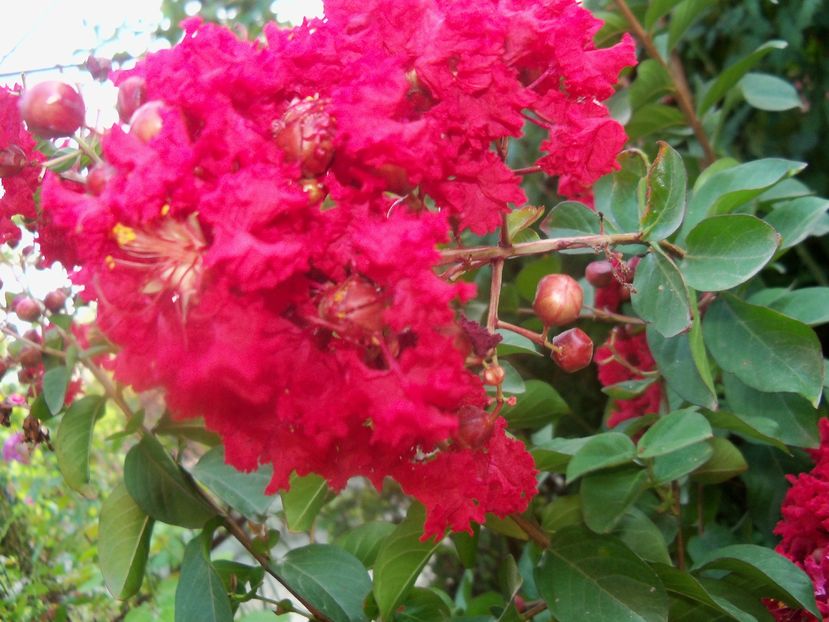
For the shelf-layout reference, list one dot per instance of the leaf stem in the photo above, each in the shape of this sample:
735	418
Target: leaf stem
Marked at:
532	529
536	338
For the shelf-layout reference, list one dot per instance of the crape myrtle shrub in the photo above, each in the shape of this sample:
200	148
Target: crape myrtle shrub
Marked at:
338	250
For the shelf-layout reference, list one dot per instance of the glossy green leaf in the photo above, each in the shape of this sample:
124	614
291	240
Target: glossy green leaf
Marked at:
521	218
618	196
787	417
684	584
606	496
676	465
784	580
601	451
201	595
724	251
561	512
664	205
672	432
765	349
675	362
628	389
766	92
400	560
653	118
759	429
513	343
570	218
423	605
642	536
587	577
809	305
124	533
365	541
725	463
74	438
683	17
244	492
55	383
727	189
161	488
555	454
539	405
303	501
652	82
660	295
734	72
798	219
332	581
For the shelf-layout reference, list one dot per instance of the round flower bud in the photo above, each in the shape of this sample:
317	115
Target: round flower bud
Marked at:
146	122
599	273
27	309
52	109
355	306
132	93
12	160
572	350
306	134
30	356
494	375
98	177
474	427
55	300
558	299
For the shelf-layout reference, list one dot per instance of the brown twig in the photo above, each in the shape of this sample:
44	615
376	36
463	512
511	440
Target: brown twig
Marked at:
536	338
684	99
532	529
609	316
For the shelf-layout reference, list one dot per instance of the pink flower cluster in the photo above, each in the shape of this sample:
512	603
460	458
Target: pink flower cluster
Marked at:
264	246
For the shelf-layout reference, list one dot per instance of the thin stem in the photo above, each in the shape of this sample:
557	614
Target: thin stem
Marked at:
495	294
12	74
539	247
673	249
271	601
46	350
59	159
610	316
527	170
684	99
533	611
536	338
87	149
532	529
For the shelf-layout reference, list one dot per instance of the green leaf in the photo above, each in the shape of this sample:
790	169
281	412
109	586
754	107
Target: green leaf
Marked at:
660	296
570	218
763	348
74	439
675	362
665	199
40	410
244	492
787	417
618	196
364	541
555	454
513	343
782	579
651	83
628	389
683	17
724	251
192	429
539	405
561	512
653	118
672	432
587	577
423	605
601	451
521	218
766	92
797	219
725	190
725	463
678	464
642	536
161	488
303	501
332	581
733	73
400	560
55	383
123	543
657	9
760	429
200	595
684	584
809	305
606	496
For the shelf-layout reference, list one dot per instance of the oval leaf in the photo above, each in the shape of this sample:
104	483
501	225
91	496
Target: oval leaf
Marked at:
600	452
587	577
607	495
771	93
726	462
124	532
660	295
809	305
364	541
672	432
331	581
665	197
161	488
55	382
200	594
304	500
724	251
74	438
539	405
678	367
765	349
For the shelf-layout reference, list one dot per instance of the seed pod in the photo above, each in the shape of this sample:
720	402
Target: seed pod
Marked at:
558	300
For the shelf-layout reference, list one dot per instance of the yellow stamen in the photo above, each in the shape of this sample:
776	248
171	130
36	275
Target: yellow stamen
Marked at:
123	234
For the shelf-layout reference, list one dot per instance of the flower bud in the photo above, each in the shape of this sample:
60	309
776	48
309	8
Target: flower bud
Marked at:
599	273
55	300
356	305
12	160
474	427
132	94
558	299
494	375
30	356
572	350
98	177
27	309
52	109
306	134
98	67
146	122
